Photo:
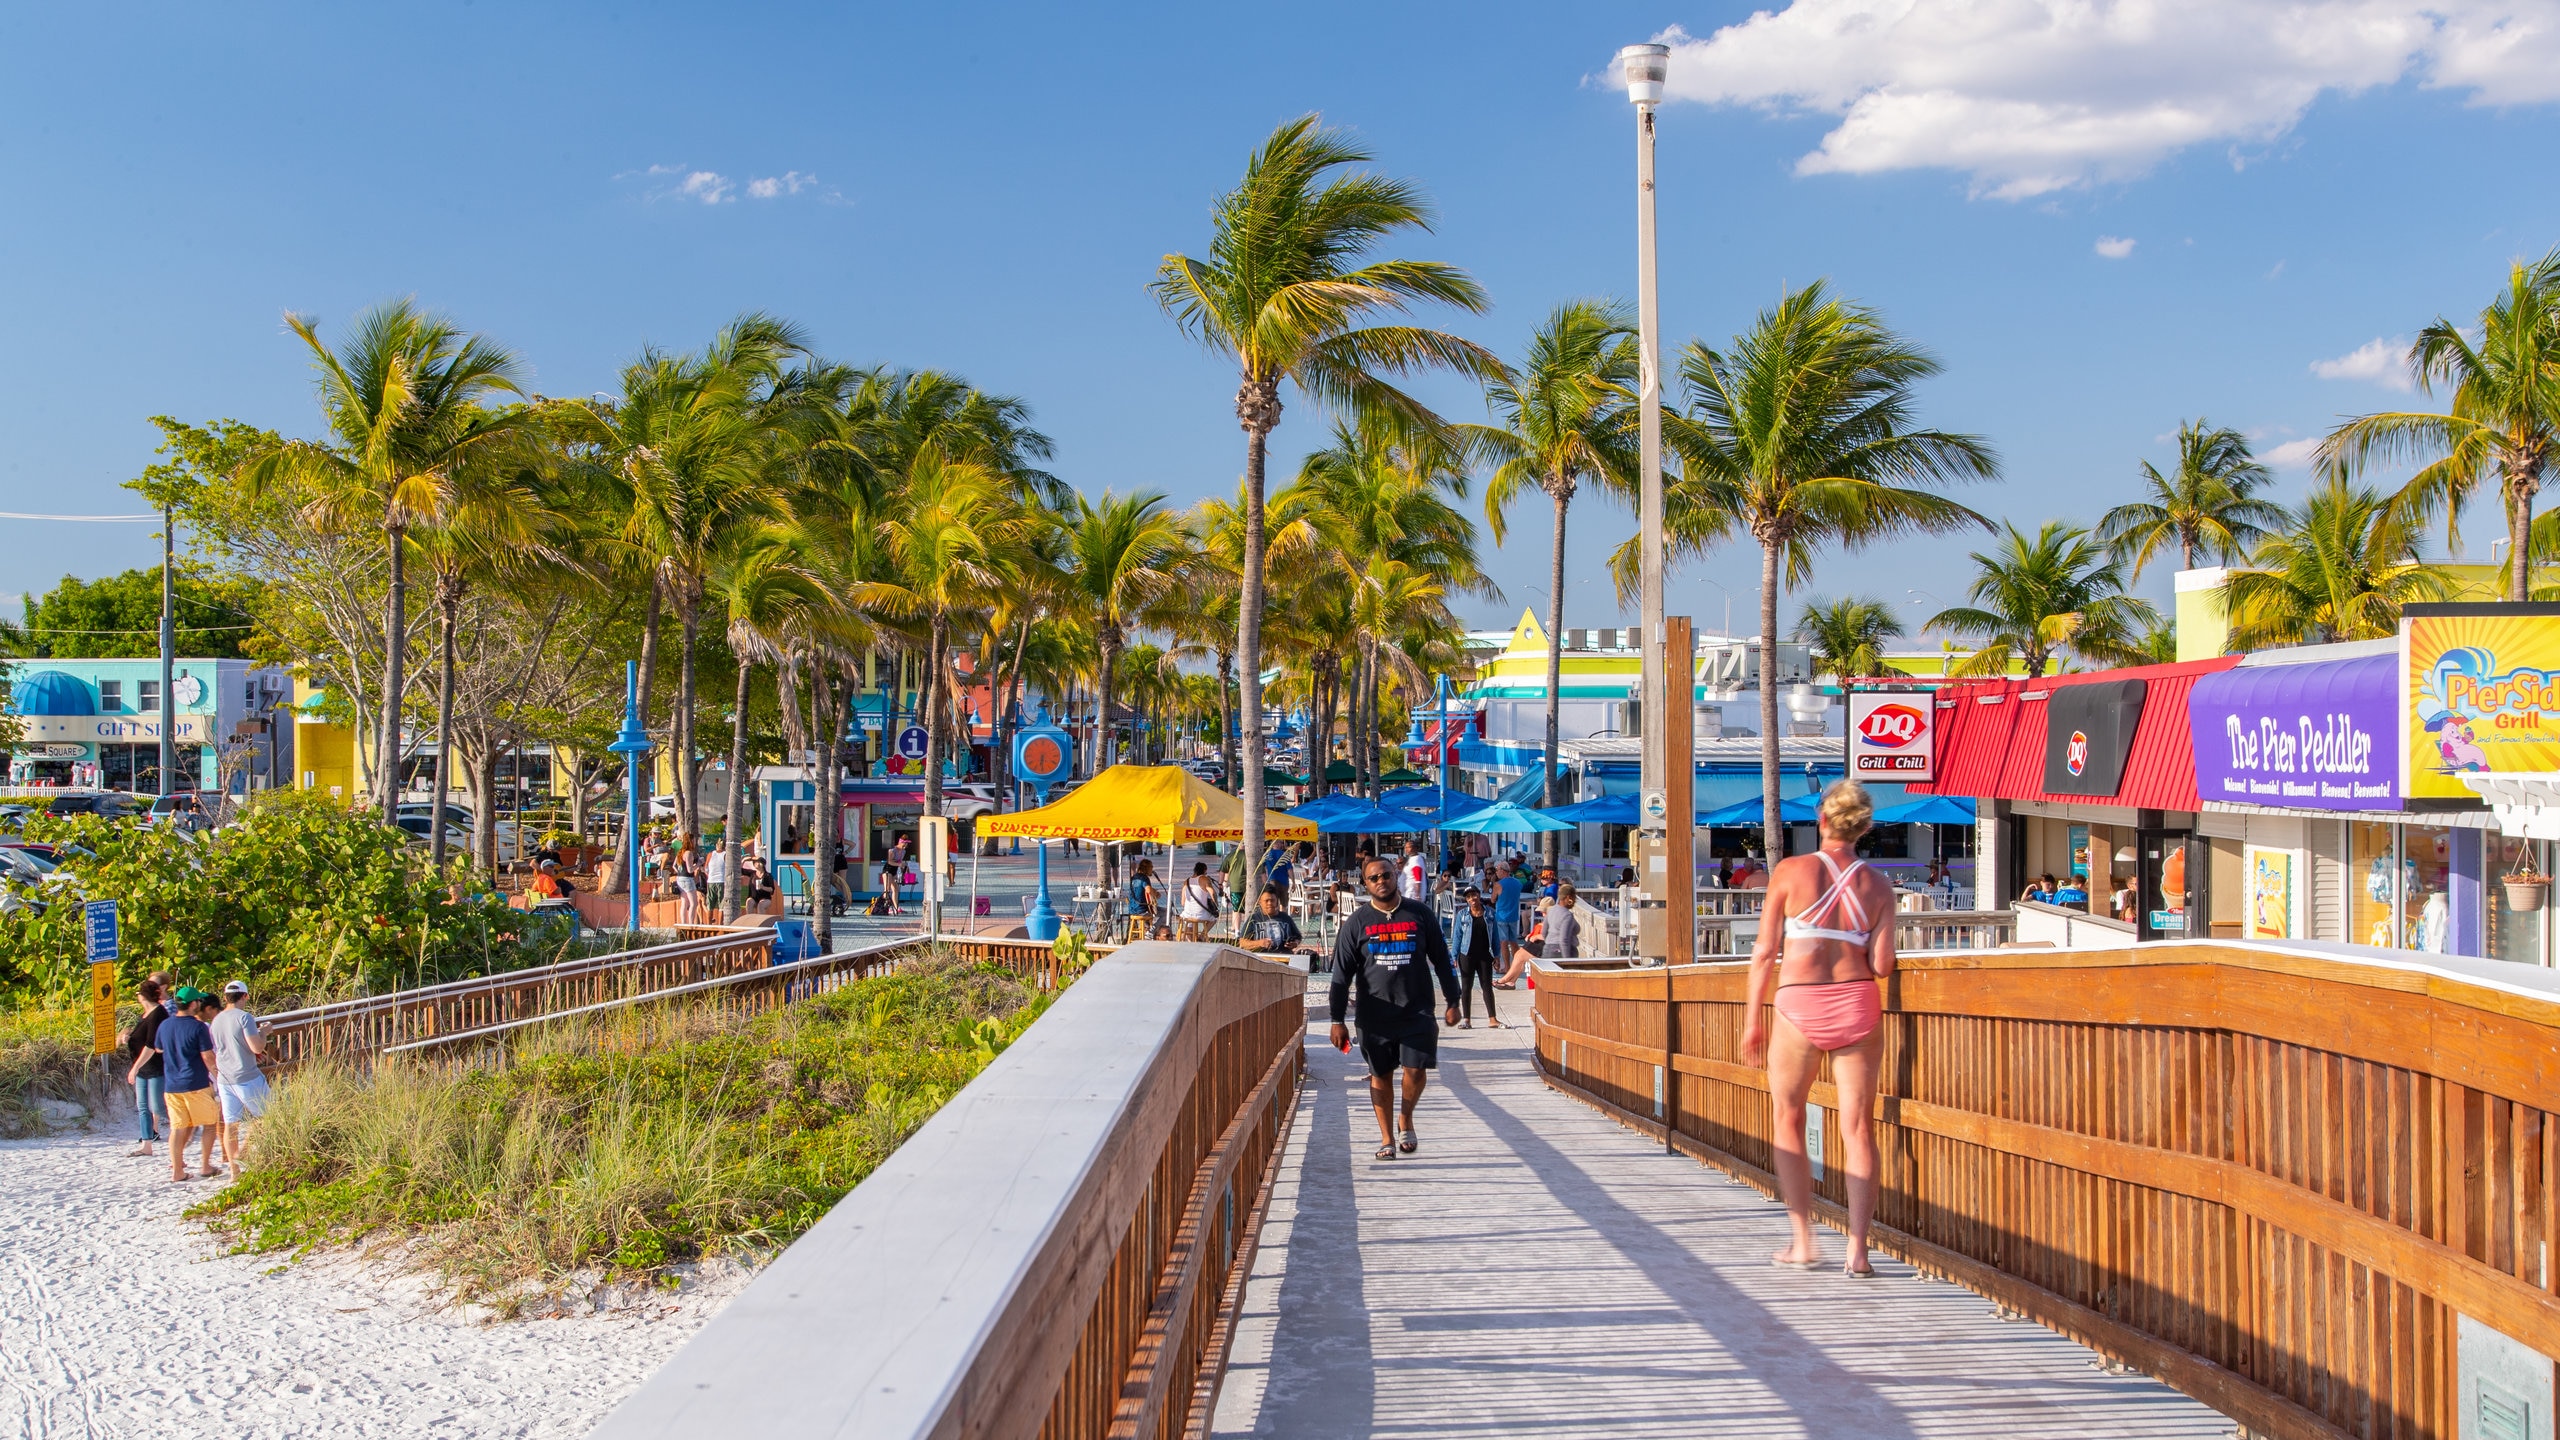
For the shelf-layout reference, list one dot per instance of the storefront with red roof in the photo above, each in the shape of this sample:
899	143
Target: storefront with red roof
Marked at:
2089	779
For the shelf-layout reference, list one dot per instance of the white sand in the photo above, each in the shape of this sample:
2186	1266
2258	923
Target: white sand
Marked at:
118	1318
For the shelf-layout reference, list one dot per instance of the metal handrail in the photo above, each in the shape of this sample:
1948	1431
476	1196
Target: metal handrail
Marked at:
559	970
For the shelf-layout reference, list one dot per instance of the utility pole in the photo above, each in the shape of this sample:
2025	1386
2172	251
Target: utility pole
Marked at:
168	649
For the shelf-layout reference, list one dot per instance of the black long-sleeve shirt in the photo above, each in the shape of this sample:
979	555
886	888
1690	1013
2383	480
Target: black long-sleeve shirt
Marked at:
1391	958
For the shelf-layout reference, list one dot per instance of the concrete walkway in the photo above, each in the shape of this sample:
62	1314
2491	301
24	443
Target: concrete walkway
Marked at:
1538	1269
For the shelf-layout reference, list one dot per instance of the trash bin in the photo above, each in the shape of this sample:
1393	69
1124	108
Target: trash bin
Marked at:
794	940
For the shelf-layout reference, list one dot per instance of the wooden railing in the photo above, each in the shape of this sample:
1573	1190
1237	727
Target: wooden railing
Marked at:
1059	1253
2273	1179
425	1019
1912	930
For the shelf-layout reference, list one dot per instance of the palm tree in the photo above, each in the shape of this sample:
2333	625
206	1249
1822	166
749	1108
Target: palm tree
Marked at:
1848	635
1566	416
1802	434
1125	555
2209	507
1282	293
403	398
2340	568
2503	423
772	602
949	535
2035	596
497	520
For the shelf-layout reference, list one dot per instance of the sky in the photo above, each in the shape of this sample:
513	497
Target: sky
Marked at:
2104	217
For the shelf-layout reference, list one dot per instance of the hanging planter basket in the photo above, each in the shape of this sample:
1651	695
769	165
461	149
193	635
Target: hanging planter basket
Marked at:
2527	888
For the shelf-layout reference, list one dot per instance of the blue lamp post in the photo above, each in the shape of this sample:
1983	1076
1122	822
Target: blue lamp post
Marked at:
632	744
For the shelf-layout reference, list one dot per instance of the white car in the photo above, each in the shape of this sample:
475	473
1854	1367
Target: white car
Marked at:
458	837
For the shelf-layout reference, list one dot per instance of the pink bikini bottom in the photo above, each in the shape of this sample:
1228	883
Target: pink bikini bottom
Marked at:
1832	1016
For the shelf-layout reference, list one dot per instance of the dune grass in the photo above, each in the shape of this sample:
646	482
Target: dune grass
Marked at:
621	1146
44	1055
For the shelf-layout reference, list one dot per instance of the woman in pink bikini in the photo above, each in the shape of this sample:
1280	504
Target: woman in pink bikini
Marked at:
1835	944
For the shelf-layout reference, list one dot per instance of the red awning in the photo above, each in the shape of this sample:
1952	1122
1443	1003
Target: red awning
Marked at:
1992	739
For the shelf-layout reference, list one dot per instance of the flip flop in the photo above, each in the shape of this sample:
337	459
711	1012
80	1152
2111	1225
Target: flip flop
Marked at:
1865	1273
1385	1152
1778	1260
1407	1141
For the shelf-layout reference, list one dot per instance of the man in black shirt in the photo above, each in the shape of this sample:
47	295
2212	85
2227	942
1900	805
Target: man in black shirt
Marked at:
1390	949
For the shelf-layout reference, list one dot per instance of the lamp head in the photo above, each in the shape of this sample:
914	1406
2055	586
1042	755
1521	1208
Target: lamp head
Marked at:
1645	66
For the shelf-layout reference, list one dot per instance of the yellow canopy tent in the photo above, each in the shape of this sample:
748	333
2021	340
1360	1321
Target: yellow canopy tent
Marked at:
1159	804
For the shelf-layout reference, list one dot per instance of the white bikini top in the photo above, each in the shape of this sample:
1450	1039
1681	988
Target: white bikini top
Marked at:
1840	896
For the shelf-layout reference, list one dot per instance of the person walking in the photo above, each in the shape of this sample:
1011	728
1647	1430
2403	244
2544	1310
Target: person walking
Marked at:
1477	959
889	868
1826	938
1506	909
150	1110
184	1046
1199	903
715	878
1413	878
1239	873
1388	952
239	1085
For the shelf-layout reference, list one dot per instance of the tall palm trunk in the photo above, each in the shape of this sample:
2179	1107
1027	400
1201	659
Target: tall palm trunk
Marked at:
1773	833
1226	717
734	820
934	702
1553	788
2520	487
617	880
448	601
1105	678
825	811
1258	410
395	638
688	803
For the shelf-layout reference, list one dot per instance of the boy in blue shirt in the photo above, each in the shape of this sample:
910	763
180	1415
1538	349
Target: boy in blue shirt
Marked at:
185	1047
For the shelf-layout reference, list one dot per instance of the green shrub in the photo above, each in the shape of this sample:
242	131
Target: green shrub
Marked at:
622	1145
303	897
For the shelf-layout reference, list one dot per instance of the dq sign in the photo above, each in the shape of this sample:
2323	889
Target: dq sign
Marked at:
1892	736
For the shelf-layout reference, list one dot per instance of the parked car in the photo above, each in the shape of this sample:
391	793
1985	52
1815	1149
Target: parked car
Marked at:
185	811
114	804
24	880
968	802
457	837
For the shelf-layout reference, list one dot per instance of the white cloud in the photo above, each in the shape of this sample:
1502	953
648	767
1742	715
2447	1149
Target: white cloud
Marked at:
2292	454
710	187
2379	361
2032	96
2114	247
789	182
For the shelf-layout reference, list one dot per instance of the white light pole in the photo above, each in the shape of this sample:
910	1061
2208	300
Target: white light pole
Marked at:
1645	66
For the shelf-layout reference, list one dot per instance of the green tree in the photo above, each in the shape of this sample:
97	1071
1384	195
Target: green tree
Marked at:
1125	556
1848	635
771	600
2209	507
2035	596
403	401
2502	427
1802	434
1284	294
119	617
1565	416
2339	568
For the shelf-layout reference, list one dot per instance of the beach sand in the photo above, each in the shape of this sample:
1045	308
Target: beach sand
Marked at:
118	1318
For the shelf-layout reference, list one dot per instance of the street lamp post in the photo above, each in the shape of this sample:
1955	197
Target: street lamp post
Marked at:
1645	67
632	744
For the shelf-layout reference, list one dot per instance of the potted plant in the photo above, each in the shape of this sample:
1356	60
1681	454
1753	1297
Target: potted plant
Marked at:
2527	887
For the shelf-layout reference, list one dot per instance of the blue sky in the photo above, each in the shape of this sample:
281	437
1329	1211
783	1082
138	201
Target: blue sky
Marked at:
989	190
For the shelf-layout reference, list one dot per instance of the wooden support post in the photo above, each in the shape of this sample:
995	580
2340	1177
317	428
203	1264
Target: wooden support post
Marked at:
1677	705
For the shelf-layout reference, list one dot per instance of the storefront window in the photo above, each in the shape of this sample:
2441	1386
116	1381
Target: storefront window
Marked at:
2514	935
2374	884
2426	907
794	823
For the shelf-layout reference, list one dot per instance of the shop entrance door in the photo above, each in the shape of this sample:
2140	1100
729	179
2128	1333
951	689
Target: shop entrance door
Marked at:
2169	867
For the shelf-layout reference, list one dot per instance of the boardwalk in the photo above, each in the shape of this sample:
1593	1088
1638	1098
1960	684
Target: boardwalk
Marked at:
1539	1270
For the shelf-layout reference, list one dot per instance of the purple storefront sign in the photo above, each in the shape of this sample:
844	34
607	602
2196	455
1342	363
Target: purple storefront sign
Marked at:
2311	737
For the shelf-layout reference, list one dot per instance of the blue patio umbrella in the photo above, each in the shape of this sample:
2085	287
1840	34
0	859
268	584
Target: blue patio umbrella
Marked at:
1506	819
1928	810
1370	819
1333	804
1427	800
1607	810
1802	810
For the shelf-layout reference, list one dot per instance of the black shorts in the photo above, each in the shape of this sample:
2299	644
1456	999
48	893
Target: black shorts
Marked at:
1414	1050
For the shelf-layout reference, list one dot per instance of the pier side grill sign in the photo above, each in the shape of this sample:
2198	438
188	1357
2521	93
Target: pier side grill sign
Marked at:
1892	735
2088	731
2479	694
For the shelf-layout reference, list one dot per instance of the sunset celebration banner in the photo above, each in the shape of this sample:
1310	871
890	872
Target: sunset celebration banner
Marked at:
2479	694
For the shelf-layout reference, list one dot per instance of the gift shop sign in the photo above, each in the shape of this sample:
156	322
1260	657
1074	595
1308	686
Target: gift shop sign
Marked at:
2313	737
1892	735
91	729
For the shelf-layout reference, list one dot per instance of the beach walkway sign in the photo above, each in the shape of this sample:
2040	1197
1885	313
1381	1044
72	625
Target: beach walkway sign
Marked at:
100	919
2479	695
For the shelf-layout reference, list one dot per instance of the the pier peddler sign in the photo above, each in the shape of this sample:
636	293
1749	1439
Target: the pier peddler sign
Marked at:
2312	737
